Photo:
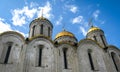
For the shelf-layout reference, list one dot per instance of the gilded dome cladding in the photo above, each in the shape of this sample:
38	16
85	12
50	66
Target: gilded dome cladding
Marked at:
64	33
93	29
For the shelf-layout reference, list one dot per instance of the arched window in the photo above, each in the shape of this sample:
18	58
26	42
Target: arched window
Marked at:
95	38
40	47
33	30
41	29
6	52
90	59
48	31
103	40
65	58
114	58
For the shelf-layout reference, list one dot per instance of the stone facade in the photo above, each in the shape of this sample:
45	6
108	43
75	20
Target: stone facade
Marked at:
39	53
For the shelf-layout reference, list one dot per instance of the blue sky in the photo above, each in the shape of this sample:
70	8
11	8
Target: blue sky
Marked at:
73	14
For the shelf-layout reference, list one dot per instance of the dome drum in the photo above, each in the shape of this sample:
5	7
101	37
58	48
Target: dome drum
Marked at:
97	35
41	26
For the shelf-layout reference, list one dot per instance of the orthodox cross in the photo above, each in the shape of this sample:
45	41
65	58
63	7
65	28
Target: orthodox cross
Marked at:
63	26
90	22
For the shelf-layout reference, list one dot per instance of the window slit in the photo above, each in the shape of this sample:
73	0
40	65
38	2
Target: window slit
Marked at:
103	40
95	38
41	31
91	61
33	30
65	58
7	54
113	58
49	31
40	57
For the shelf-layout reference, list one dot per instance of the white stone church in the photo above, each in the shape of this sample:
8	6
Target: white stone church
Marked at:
39	53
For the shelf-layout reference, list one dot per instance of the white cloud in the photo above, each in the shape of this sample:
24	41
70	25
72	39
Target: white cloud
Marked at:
59	21
20	15
96	14
78	20
29	12
84	32
46	11
4	26
72	8
83	24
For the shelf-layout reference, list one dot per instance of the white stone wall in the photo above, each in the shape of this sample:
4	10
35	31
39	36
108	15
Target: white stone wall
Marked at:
117	55
71	58
14	60
24	56
48	59
97	57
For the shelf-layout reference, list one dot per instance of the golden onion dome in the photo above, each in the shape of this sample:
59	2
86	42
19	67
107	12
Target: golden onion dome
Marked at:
93	29
64	33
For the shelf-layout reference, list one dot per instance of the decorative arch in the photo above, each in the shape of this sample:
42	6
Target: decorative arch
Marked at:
40	53
114	55
14	34
90	55
10	47
115	60
6	52
67	57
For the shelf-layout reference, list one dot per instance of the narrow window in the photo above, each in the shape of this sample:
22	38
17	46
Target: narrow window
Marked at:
33	30
40	56
65	58
41	30
7	54
103	40
48	31
113	58
90	59
95	38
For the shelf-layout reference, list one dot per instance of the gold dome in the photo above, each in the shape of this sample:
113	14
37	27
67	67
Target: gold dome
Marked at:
64	33
93	29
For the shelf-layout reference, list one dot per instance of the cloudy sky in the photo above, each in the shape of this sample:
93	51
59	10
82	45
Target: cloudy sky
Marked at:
73	15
